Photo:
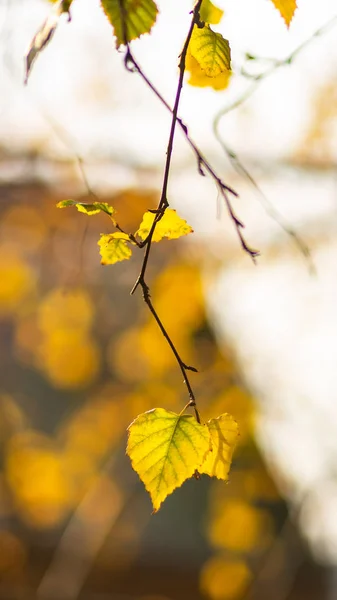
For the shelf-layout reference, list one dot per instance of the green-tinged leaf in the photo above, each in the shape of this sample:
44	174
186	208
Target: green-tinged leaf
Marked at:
286	8
224	434
139	17
89	209
210	50
45	34
170	226
165	449
114	247
210	13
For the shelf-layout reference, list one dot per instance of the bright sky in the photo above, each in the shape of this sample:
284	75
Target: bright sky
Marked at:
79	80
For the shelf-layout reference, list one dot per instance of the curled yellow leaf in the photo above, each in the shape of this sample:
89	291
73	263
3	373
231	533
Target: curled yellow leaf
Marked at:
198	77
89	209
170	226
210	50
224	434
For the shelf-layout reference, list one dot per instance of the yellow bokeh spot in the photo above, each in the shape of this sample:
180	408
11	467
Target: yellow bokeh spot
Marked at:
69	359
95	428
69	310
38	479
223	579
177	294
238	526
17	281
126	351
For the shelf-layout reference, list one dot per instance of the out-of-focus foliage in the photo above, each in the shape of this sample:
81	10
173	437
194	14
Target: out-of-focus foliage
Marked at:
84	359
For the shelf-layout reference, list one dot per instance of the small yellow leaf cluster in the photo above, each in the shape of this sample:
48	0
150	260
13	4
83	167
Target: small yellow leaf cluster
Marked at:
166	448
88	209
115	247
67	352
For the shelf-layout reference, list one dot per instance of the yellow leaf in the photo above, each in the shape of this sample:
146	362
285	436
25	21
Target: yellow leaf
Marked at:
210	13
140	16
89	209
114	248
286	8
199	78
165	449
210	50
170	226
224	433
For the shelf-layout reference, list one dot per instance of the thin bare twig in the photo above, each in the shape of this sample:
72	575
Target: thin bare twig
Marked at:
163	202
269	208
256	79
203	164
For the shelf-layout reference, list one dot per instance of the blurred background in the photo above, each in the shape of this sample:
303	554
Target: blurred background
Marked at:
80	358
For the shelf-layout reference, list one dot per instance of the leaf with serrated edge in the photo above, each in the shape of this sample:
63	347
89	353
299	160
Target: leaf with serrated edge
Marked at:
286	9
114	247
224	434
165	449
170	226
45	34
210	50
89	209
210	13
140	16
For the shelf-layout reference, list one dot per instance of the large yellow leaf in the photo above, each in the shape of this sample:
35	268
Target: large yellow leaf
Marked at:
89	209
286	8
170	226
199	78
114	247
210	50
224	434
165	449
139	17
210	13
